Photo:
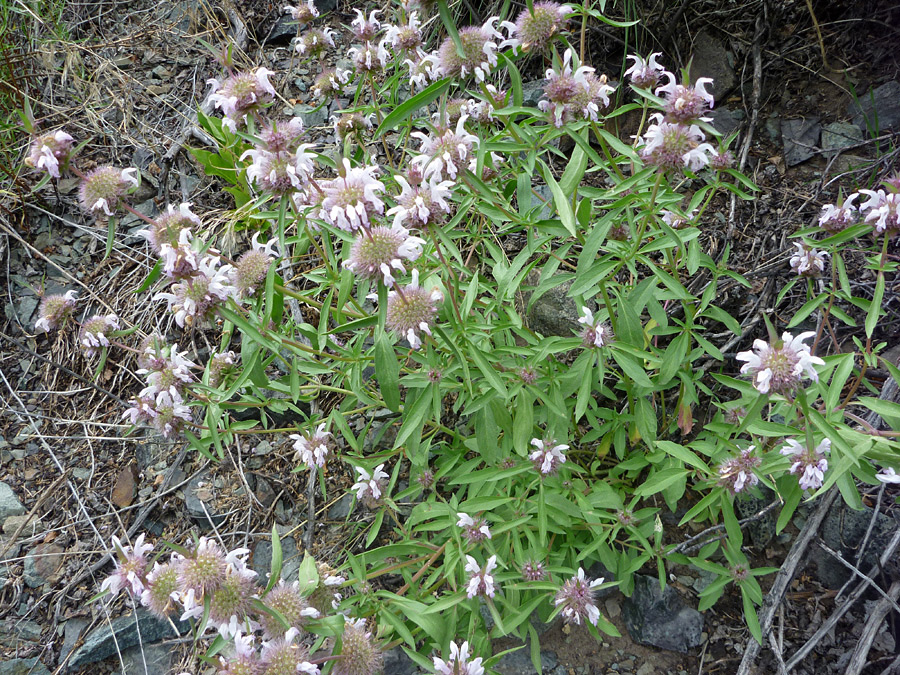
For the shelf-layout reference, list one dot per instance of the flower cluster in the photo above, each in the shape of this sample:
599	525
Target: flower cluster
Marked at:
809	463
572	95
161	403
576	597
458	663
479	52
881	209
51	153
481	581
807	261
281	163
102	189
737	473
777	368
371	487
93	333
547	456
55	311
475	530
311	448
596	333
241	94
534	30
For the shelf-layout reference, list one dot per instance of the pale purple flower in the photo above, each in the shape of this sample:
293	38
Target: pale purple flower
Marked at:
251	268
365	29
380	251
131	568
536	29
370	486
102	188
447	152
481	581
888	475
303	14
533	570
412	309
423	68
350	199
421	204
93	333
370	57
280	172
596	333
645	74
576	598
314	41
475	530
166	372
54	311
686	104
883	210
736	473
195	297
330	82
837	217
50	152
346	124
282	655
407	36
568	91
807	261
166	413
311	448
548	456
675	146
809	463
677	221
479	46
161	589
778	368
168	227
180	260
458	663
241	93
242	656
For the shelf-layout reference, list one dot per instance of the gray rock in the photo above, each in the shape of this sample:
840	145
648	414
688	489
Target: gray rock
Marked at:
533	92
800	139
396	662
599	571
726	120
290	559
32	666
838	135
284	30
101	643
759	532
341	508
519	662
19	635
158	659
660	618
72	631
42	564
878	110
311	117
554	312
711	59
199	504
9	503
843	531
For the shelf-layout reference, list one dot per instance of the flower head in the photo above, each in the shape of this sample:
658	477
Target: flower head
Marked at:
407	36
535	30
809	463
330	82
131	568
645	74
314	41
380	251
352	198
481	581
571	93
533	570
232	602
370	58
370	487
448	151
778	367
288	601
458	663
166	369
412	309
736	473
203	571
167	227
479	46
547	456
51	152
93	333
352	123
422	203
475	530
423	68
359	654
596	333
242	658
102	188
54	311
365	29
240	94
837	217
280	172
807	261
302	14
311	448
883	210
282	657
196	297
675	146
161	589
686	104
576	597
251	268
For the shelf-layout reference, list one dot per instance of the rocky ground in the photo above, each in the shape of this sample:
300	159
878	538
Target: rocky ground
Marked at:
129	77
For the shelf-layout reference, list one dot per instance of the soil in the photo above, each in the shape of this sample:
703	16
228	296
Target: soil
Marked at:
128	76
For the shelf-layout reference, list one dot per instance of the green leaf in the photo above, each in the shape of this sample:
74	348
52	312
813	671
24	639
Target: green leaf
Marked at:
151	277
659	481
387	371
575	168
409	106
563	207
489	371
875	308
413	416
110	236
515	80
277	560
751	617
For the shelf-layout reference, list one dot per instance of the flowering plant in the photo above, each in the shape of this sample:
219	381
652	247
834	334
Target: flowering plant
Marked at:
521	459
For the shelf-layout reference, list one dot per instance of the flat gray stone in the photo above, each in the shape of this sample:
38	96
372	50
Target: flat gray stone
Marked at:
519	662
396	662
533	92
660	618
839	135
711	59
19	635
878	110
9	503
158	659
290	556
800	138
311	117
199	504
42	564
726	120
72	630
32	666
100	643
